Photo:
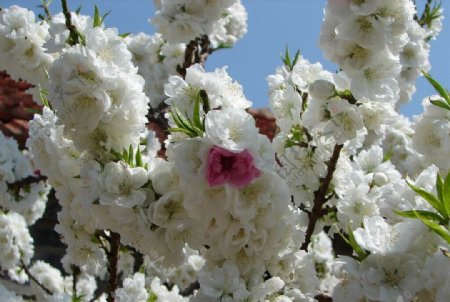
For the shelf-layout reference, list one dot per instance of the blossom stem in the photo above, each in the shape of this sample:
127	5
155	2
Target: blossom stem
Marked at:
30	275
113	259
320	196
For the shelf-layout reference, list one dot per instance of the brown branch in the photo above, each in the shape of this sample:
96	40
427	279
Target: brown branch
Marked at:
15	186
323	298
190	289
113	259
320	196
196	52
75	273
30	275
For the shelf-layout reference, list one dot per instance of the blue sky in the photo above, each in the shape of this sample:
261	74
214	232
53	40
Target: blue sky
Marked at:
273	24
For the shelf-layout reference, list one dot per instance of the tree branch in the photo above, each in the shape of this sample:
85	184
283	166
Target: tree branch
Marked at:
113	259
190	289
15	186
75	273
320	196
30	275
197	51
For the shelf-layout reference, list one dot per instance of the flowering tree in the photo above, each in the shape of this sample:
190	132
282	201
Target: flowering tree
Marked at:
350	202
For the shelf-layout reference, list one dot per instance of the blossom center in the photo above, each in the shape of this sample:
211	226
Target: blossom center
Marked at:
226	167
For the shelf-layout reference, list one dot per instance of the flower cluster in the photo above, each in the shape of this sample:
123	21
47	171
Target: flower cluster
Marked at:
23	196
156	60
378	44
349	202
22	41
224	22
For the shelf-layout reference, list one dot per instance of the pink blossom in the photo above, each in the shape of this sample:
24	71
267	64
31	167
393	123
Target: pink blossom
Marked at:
236	169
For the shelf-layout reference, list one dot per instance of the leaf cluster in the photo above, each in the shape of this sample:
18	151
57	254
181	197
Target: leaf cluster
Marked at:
444	93
98	20
194	127
130	157
286	59
295	137
437	221
431	12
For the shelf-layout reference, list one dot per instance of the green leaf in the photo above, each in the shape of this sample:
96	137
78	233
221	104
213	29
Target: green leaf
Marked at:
297	55
124	35
97	18
286	59
196	115
130	155
98	21
76	298
139	158
441	90
439	184
181	130
388	155
125	155
43	96
445	234
117	155
426	214
223	46
431	199
440	103
152	297
102	20
33	111
180	120
78	10
191	128
362	254
446	193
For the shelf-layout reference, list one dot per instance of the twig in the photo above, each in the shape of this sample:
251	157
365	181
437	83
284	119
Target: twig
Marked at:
323	298
113	259
15	186
320	196
44	6
75	272
197	51
190	289
74	34
30	275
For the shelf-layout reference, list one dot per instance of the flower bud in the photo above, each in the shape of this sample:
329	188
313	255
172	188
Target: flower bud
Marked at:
380	179
322	90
